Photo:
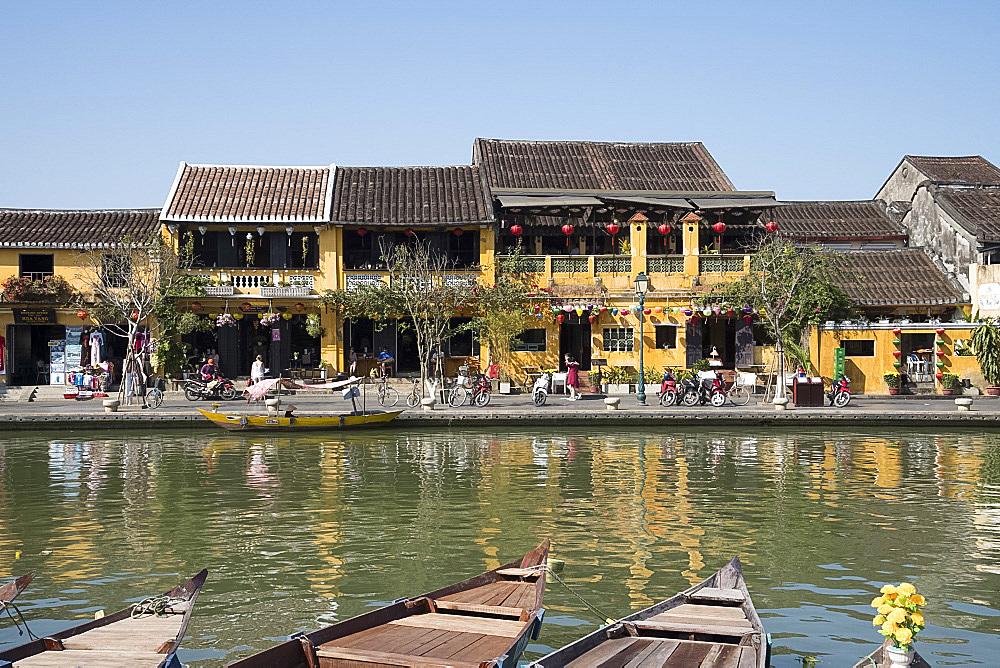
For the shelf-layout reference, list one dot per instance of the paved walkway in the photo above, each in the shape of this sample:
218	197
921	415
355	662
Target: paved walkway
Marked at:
518	410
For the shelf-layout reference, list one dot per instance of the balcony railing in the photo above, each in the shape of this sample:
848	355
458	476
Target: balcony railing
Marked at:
722	264
36	275
612	264
353	281
665	264
570	264
285	291
219	290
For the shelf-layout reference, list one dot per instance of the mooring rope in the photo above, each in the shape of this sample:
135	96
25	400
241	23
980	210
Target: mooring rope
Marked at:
7	606
605	619
154	605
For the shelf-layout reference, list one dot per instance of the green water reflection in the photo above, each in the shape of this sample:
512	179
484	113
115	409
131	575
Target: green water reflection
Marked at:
306	531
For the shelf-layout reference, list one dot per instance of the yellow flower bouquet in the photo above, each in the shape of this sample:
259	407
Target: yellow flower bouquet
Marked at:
898	615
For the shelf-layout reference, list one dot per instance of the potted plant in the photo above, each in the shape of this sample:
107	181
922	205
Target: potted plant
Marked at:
617	379
653	378
950	383
986	346
892	381
899	619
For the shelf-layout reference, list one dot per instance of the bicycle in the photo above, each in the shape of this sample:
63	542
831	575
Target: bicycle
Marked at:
480	392
386	395
738	395
154	396
413	398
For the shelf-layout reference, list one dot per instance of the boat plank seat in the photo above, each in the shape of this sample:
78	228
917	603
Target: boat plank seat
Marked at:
146	634
509	593
665	653
520	572
80	658
708	628
704	614
463	623
495	610
718	595
345	657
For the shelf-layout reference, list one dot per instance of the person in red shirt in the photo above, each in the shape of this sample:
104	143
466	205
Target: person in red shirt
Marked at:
572	377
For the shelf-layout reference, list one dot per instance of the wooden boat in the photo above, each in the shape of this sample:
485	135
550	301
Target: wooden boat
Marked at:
484	622
129	638
877	659
10	591
295	423
713	624
288	423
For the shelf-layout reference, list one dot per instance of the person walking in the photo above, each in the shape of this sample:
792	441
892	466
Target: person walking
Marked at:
572	377
352	361
257	370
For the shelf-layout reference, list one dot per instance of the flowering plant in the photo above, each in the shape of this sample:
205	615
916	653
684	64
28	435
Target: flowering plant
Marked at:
49	288
224	319
269	318
898	614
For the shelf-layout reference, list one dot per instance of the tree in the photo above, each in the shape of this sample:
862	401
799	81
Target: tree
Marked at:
419	288
501	309
128	281
986	346
790	286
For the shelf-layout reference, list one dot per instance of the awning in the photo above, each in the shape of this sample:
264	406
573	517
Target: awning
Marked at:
733	203
665	202
546	201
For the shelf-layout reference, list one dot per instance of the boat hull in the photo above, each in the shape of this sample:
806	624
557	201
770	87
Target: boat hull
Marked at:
295	423
877	659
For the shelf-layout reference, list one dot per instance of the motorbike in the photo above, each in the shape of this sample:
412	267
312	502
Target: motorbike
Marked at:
698	391
668	389
840	392
220	388
540	389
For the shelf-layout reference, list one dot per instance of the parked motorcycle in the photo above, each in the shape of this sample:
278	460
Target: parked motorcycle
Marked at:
698	391
840	392
668	389
220	388
540	390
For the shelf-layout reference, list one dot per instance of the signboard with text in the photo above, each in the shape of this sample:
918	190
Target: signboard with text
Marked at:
34	316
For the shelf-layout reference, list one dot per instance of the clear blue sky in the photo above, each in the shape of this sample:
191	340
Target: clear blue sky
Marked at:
99	101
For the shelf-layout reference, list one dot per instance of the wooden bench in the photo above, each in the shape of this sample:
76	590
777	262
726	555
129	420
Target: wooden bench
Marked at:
372	657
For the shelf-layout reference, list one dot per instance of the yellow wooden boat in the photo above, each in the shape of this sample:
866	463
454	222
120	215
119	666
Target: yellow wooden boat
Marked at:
296	423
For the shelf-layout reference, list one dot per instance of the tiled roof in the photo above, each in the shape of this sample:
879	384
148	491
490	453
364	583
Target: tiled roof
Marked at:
836	220
894	277
49	228
976	209
961	169
584	165
409	196
249	194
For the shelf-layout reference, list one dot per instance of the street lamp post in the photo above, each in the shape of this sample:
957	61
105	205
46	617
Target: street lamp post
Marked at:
641	286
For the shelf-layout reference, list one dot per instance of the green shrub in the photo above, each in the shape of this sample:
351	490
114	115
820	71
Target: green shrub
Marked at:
950	381
891	379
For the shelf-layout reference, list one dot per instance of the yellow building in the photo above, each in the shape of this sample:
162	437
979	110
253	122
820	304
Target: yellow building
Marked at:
41	252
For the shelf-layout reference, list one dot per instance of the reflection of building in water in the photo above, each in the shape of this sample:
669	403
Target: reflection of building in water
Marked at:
879	458
258	473
328	530
72	536
957	464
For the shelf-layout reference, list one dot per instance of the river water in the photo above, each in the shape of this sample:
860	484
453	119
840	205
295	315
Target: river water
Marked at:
301	532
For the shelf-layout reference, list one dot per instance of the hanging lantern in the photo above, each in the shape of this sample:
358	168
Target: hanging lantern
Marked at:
688	312
300	307
694	319
603	309
658	309
647	311
409	232
567	229
719	227
897	331
458	231
897	353
592	319
940	353
939	330
748	309
567	308
135	315
636	310
706	311
516	230
664	230
614	311
560	318
579	311
362	231
716	310
237	316
261	230
81	314
939	375
748	319
213	316
538	315
771	226
286	315
729	313
195	306
613	228
537	308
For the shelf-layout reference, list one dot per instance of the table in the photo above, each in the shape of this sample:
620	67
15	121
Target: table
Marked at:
531	374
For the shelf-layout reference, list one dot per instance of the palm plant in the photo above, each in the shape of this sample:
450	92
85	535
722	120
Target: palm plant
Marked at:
986	345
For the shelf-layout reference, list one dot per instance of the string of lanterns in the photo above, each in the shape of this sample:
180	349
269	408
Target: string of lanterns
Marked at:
594	311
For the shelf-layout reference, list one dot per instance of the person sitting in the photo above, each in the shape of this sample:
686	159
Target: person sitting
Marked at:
385	361
289	409
208	370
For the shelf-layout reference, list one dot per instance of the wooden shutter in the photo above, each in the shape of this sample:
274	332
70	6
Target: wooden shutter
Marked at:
692	350
744	344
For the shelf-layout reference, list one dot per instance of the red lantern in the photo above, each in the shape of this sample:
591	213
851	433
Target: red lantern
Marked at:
771	226
516	230
747	319
664	229
196	306
897	353
81	314
135	315
719	227
300	307
567	229
613	228
939	375
409	232
896	331
458	231
592	319
560	318
647	311
939	330
362	231
694	319
940	353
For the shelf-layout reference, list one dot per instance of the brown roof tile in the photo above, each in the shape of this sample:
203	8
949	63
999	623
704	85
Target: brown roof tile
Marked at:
49	228
896	277
836	220
976	209
960	169
584	165
409	196
232	193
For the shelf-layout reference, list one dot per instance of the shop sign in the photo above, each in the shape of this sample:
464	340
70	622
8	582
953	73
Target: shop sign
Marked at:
248	308
34	316
989	296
